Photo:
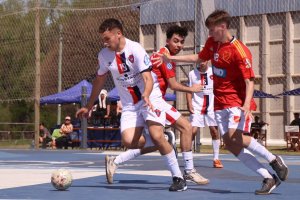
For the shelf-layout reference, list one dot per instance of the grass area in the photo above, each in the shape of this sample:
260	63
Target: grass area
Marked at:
15	144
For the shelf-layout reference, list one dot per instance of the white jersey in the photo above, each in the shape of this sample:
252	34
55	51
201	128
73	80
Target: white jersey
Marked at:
203	102
126	68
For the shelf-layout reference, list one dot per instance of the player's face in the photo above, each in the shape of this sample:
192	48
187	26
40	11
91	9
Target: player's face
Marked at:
203	66
175	44
111	39
217	32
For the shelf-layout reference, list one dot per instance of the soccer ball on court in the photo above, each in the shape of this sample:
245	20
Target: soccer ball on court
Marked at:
61	179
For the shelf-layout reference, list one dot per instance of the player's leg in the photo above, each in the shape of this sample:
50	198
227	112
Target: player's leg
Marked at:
132	125
168	153
215	136
155	121
186	138
228	121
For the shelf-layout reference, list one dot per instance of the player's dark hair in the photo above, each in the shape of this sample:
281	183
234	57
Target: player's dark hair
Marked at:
217	17
109	24
175	29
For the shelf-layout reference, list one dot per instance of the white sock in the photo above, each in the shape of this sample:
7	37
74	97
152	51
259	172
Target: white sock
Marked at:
188	161
260	150
127	155
252	163
172	164
216	147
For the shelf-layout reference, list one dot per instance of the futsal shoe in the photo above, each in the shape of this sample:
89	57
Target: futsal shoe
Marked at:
178	185
280	168
268	185
110	168
195	177
217	164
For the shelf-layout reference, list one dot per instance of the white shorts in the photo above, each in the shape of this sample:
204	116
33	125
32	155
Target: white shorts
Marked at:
232	118
172	115
136	117
200	120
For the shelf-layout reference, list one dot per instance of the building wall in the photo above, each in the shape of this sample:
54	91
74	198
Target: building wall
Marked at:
274	40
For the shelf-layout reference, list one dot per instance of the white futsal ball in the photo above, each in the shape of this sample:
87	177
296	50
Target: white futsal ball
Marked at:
61	179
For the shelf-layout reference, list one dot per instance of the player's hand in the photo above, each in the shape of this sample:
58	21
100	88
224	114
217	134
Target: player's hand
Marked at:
147	102
106	116
247	112
190	108
158	59
82	113
197	88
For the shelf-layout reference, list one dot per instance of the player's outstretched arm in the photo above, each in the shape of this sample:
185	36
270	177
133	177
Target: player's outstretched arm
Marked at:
158	58
174	85
97	86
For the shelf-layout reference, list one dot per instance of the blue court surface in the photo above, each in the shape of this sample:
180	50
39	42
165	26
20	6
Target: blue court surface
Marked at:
25	174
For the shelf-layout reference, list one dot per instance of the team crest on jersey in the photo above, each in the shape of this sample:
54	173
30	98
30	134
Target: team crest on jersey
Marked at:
236	119
248	63
146	59
226	55
216	56
157	112
211	77
131	58
169	66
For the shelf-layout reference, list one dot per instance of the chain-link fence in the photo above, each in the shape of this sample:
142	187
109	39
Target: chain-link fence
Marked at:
69	33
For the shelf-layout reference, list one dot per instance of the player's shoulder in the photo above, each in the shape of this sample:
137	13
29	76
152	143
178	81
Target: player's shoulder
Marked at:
240	49
164	50
104	52
133	44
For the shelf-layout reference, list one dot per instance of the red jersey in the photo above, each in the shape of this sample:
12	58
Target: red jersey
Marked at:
232	64
164	72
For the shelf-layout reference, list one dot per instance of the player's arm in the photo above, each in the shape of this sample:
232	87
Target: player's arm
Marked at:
165	58
148	81
174	85
98	84
249	94
189	102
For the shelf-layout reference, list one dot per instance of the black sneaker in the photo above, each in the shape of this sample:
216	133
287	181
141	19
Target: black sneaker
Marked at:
178	185
280	168
268	185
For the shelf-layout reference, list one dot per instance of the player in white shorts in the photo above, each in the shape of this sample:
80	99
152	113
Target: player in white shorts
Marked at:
201	107
166	75
233	102
139	92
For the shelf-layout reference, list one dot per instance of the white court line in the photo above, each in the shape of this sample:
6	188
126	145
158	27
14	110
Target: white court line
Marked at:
12	178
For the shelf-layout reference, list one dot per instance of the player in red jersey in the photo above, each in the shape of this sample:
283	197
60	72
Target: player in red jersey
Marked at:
233	90
165	76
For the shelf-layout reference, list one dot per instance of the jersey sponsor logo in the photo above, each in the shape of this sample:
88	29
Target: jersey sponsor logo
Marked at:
248	63
129	80
236	119
169	66
157	112
131	58
147	60
219	72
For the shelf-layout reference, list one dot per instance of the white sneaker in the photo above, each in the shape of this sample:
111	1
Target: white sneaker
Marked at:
110	168
195	177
